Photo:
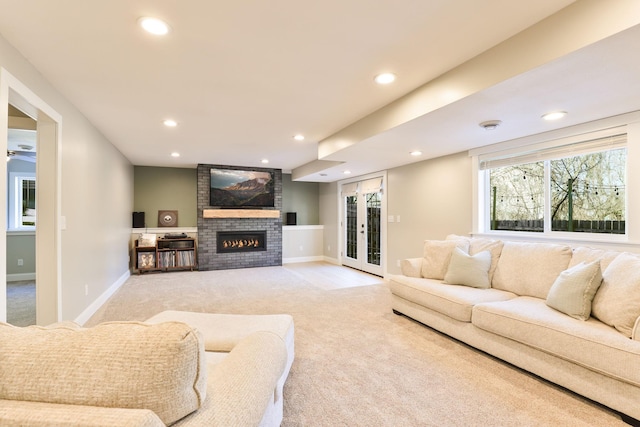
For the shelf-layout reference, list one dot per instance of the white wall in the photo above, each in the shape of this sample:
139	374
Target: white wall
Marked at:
433	199
97	197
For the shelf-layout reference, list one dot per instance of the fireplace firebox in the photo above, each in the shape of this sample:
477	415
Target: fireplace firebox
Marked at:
241	241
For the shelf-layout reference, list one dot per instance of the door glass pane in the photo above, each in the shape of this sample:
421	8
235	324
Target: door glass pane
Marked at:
373	228
351	215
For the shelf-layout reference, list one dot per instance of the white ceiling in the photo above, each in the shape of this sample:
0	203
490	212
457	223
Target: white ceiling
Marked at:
241	78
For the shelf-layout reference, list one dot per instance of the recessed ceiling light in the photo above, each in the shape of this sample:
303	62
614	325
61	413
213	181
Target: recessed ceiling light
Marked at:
490	124
416	153
170	123
299	137
265	161
347	172
554	115
175	154
154	26
385	78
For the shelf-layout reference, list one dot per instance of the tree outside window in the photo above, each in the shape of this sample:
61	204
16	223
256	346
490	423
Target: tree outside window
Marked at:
587	194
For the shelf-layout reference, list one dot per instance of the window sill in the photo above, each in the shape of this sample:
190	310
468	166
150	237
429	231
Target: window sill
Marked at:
572	239
23	232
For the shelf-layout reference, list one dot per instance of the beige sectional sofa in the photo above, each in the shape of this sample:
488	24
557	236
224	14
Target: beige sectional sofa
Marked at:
177	368
569	315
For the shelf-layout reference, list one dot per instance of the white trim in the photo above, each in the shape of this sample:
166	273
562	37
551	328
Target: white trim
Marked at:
19	277
99	302
563	238
303	227
21	232
303	259
164	230
331	260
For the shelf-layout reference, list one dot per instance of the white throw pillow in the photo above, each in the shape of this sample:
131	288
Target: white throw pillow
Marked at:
574	289
617	302
437	254
469	270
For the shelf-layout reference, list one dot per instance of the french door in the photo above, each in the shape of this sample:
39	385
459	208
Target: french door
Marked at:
362	204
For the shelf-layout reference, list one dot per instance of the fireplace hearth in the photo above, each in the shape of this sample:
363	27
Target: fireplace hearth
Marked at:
241	241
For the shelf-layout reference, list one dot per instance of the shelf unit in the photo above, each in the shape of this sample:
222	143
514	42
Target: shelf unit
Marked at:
167	255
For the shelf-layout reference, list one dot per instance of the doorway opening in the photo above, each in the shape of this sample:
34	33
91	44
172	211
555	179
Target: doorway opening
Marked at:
47	196
21	218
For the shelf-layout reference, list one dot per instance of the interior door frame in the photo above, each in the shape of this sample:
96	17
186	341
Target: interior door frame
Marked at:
48	197
383	216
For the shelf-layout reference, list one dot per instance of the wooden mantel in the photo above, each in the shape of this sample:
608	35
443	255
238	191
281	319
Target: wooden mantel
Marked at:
240	213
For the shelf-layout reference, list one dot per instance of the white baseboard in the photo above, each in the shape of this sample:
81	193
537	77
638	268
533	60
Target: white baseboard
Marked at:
331	260
19	277
302	259
93	308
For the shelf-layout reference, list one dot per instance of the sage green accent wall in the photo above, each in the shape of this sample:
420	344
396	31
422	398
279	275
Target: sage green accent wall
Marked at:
157	188
301	198
21	246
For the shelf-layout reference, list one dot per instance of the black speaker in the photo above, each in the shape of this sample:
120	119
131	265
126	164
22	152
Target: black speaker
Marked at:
138	220
291	218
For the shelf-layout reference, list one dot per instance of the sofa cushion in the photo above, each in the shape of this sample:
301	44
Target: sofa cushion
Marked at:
617	302
469	270
120	364
584	254
591	343
574	289
451	300
411	267
437	254
530	268
222	332
480	244
22	413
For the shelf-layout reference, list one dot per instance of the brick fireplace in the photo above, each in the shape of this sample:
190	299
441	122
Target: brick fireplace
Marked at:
213	231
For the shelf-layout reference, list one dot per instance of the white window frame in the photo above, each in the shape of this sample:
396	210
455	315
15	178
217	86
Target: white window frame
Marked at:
15	200
628	123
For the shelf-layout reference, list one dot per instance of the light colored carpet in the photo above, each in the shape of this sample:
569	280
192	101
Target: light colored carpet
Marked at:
21	303
357	363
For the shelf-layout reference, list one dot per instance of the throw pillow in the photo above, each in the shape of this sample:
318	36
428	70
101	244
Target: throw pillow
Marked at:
469	270
574	289
617	302
437	254
494	246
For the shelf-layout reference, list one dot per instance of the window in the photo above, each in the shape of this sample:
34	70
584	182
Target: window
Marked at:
573	188
22	201
26	201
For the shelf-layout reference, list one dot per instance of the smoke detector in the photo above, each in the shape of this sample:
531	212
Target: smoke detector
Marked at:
490	124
